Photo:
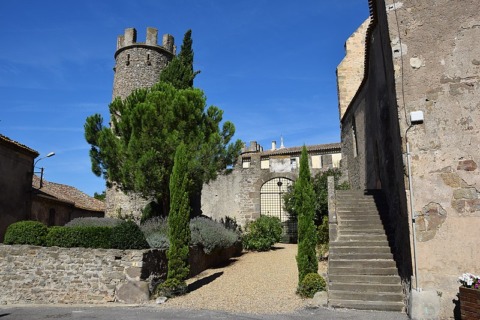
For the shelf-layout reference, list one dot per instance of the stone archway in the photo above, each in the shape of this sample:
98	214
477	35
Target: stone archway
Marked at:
272	204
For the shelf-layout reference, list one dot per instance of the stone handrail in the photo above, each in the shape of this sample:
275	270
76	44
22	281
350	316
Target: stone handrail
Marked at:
332	209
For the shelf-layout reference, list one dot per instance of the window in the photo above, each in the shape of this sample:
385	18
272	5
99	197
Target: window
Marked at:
354	138
246	163
293	163
336	157
265	163
316	161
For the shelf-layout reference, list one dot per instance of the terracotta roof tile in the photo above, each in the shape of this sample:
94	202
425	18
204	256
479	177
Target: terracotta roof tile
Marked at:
68	194
17	145
295	150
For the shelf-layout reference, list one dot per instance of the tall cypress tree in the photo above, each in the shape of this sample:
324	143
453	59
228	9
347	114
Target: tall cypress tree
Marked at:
179	72
305	200
178	224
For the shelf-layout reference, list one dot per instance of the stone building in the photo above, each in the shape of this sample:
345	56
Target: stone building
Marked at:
137	65
16	170
421	60
55	204
257	182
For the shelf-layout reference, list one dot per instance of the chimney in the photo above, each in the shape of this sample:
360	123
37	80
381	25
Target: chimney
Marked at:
274	145
281	142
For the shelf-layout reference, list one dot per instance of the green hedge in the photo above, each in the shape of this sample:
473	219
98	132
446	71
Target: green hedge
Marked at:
86	237
127	235
26	232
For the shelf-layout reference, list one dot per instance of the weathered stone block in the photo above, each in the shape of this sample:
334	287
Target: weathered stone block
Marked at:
467	165
133	292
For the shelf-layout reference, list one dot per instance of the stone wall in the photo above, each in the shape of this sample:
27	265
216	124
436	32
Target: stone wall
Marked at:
237	193
438	72
31	274
422	56
350	71
15	183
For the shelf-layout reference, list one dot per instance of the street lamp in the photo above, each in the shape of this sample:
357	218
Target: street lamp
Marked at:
51	154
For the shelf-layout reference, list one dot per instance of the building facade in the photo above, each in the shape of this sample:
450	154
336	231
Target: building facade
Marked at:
420	57
256	184
55	204
16	170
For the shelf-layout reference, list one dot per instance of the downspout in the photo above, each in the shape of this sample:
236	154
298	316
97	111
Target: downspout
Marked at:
414	232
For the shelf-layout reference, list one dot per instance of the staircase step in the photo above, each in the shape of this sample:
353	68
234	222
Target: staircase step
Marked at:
363	256
366	263
366	287
371	240
359	250
365	296
359	223
372	279
367	305
347	236
356	270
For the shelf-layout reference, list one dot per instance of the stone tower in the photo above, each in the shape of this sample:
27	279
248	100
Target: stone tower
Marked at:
137	65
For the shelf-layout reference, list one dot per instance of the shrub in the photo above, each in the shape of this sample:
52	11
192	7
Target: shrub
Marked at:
93	222
231	224
82	236
158	241
127	235
170	288
262	233
211	235
155	225
26	232
311	284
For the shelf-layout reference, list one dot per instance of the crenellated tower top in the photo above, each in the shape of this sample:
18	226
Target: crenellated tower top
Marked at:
139	64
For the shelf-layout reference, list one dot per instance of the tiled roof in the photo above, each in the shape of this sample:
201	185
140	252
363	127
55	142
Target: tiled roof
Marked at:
17	145
296	150
68	194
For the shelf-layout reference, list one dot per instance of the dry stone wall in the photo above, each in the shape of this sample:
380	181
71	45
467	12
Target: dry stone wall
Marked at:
31	274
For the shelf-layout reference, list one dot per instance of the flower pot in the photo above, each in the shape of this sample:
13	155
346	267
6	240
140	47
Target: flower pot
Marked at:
469	303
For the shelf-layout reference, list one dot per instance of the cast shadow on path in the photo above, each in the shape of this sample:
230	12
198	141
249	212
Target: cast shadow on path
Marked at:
204	281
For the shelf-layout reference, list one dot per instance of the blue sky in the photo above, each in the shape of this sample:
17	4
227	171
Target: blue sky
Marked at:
269	64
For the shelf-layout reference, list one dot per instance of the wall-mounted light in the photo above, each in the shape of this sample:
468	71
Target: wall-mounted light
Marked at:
51	154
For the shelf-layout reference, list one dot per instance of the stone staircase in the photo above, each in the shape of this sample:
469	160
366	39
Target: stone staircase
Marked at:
361	271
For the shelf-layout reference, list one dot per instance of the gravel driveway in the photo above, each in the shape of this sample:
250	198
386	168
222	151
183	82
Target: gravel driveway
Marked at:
256	282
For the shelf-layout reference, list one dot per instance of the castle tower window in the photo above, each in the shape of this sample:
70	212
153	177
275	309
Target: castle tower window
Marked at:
246	163
128	59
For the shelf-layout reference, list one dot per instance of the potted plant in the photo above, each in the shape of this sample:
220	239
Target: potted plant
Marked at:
469	296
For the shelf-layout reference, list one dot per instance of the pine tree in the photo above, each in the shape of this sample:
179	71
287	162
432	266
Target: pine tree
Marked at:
178	224
305	201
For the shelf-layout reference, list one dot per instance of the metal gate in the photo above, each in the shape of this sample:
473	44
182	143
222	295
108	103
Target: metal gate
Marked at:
272	204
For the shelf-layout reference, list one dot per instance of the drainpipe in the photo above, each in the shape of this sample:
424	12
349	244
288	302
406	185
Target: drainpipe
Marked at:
410	186
416	117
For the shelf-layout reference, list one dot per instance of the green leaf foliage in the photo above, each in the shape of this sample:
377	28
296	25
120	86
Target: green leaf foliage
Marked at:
311	284
127	235
137	151
320	187
262	234
80	236
26	232
305	205
178	218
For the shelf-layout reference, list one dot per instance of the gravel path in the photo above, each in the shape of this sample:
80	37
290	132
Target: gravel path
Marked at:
256	282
